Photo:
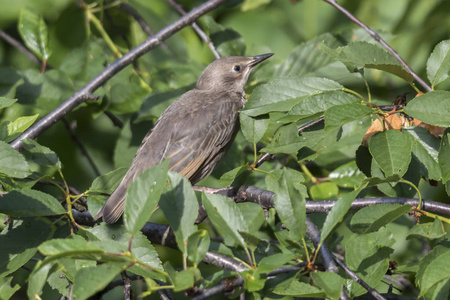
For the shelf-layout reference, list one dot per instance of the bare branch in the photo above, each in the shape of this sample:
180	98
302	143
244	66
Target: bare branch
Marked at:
15	43
80	96
381	41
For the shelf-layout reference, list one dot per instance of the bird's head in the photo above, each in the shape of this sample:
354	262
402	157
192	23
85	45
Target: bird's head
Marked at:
229	73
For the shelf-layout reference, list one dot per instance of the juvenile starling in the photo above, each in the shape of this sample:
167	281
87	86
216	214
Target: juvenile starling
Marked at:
195	131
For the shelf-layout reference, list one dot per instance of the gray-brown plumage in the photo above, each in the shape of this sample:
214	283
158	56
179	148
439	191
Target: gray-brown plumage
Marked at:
195	131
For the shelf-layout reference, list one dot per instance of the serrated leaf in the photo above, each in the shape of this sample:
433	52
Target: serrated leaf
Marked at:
444	156
338	115
30	203
37	280
272	262
6	102
330	282
253	128
370	219
430	230
347	175
12	163
338	212
432	108
285	140
19	242
425	148
90	280
180	207
143	195
21	124
289	201
40	158
226	218
6	290
75	246
433	268
282	94
360	54
438	64
34	33
391	150
293	287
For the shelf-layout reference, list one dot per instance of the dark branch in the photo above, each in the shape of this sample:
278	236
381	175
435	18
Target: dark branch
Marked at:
16	44
79	96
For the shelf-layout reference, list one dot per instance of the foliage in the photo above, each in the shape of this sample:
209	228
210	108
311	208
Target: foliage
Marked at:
324	67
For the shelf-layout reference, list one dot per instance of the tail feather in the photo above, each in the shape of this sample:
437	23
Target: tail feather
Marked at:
114	206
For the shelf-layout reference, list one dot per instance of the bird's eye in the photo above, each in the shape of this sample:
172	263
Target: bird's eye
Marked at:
237	68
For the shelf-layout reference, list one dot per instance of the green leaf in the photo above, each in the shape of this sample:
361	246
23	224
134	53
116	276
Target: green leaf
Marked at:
6	102
40	158
438	64
74	246
433	268
360	54
30	203
19	242
391	151
21	124
338	212
226	218
12	163
272	262
253	128
347	175
227	41
127	96
324	191
425	147
330	282
37	280
90	280
432	230
372	218
444	156
321	102
293	287
253	4
338	115
431	108
253	215
34	33
9	81
143	195
227	178
180	207
282	94
286	140
289	200
197	246
6	290
181	280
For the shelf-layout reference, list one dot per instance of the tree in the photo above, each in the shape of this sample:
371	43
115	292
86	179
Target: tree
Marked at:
339	176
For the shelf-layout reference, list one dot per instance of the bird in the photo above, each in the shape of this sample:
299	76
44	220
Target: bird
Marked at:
195	131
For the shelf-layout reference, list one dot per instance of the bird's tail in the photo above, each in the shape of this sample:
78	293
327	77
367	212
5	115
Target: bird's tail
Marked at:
114	206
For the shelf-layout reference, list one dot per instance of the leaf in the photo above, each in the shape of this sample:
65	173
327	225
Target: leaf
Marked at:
180	207
12	163
21	124
37	280
253	128
444	155
347	175
338	212
253	4
40	158
372	218
197	246
6	290
19	242
127	96
330	282
431	230
433	268
34	33
227	178
438	64
360	54
391	151
289	201
324	191
339	115
74	246
425	147
30	203
431	108
292	287
227	41
226	218
6	102
283	93
181	280
272	262
143	195
90	280
286	140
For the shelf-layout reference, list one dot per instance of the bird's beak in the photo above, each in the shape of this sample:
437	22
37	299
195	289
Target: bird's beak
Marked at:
259	58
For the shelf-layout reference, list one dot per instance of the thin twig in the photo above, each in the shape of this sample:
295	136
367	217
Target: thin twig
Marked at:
381	41
81	95
197	29
116	122
15	43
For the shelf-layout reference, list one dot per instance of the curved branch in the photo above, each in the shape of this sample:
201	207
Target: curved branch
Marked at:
82	95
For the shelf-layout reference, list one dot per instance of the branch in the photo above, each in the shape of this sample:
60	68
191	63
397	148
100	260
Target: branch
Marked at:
84	93
381	41
15	43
